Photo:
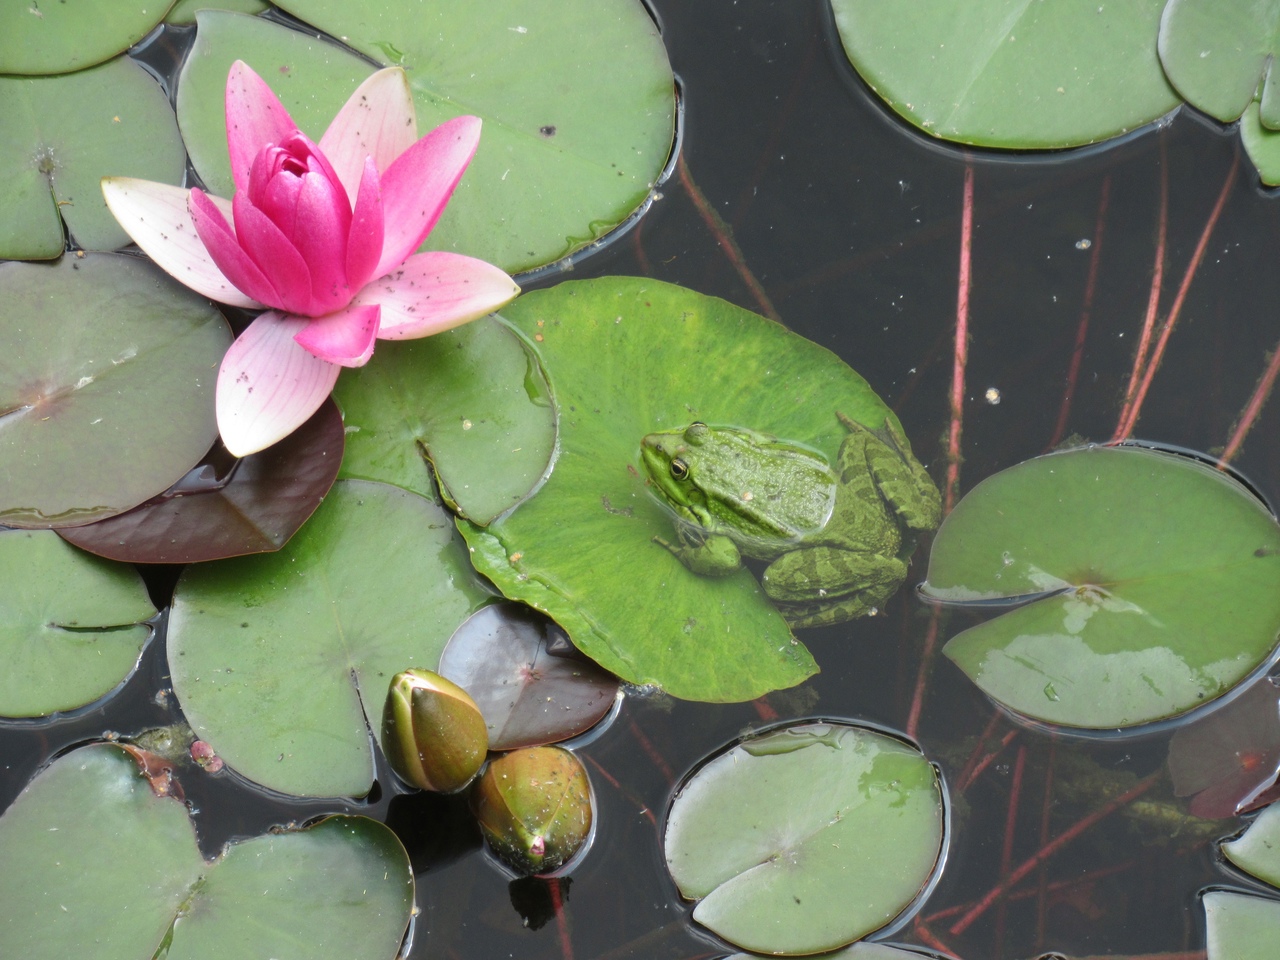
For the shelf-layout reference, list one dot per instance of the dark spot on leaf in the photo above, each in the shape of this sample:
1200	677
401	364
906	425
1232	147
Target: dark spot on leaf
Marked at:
548	131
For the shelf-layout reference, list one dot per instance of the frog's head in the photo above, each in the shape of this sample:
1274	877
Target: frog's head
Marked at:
671	458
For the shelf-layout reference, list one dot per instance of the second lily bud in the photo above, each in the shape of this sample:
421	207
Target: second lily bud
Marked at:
433	734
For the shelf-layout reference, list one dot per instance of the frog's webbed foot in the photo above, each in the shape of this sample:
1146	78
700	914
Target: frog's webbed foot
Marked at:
709	556
902	480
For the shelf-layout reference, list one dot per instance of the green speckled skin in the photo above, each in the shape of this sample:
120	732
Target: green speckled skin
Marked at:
837	540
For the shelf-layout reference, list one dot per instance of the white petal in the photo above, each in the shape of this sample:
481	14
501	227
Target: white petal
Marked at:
156	216
433	292
378	121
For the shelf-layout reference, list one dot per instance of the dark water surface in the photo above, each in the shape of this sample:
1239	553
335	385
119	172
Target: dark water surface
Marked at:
850	222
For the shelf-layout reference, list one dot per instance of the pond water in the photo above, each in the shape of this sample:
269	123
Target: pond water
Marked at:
798	192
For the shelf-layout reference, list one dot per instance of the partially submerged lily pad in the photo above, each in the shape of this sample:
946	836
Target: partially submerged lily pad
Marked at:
280	659
625	357
70	35
1008	73
71	625
1257	850
860	951
95	417
1155	576
130	881
577	97
1240	927
59	136
474	397
806	838
227	507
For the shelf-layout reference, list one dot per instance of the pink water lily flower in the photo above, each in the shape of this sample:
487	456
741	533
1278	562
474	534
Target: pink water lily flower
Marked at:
322	236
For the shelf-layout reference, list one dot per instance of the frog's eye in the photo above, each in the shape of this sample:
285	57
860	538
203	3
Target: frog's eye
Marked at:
679	469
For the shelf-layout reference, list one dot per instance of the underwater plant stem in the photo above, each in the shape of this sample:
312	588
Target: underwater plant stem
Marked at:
562	923
962	344
724	239
1042	884
986	761
1157	354
1026	893
930	939
610	779
922	675
1006	851
1082	330
966	772
652	753
1050	848
1254	407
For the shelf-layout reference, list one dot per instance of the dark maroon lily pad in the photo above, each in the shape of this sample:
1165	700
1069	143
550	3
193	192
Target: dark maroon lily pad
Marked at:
1229	757
530	683
226	507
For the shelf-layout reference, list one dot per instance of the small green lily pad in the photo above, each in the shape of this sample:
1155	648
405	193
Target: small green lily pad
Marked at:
278	659
1008	73
806	838
1161	574
1262	144
130	877
626	357
1257	850
59	136
71	625
859	951
1240	927
475	397
106	386
72	34
577	99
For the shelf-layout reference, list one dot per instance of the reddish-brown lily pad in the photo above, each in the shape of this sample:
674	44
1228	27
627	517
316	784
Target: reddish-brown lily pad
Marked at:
226	507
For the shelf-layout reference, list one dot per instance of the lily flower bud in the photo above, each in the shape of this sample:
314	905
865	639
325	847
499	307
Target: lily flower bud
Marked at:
433	734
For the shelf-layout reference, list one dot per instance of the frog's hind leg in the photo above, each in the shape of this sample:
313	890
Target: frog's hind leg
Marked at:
862	604
901	479
828	575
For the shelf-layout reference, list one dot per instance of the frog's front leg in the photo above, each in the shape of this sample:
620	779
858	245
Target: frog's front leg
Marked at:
826	576
711	555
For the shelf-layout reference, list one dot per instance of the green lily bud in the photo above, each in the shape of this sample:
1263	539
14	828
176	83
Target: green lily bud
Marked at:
433	734
534	806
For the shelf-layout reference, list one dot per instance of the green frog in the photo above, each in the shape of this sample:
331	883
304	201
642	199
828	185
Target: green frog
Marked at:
836	539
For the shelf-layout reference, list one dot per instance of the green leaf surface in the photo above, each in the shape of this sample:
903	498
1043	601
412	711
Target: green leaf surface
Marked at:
95	857
625	357
71	625
859	951
577	100
1257	850
278	659
1240	927
1219	53
72	34
1165	572
807	838
106	386
474	397
59	136
1011	73
1262	145
184	11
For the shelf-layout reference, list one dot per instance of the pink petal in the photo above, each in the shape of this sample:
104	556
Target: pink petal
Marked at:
433	292
255	118
417	186
224	249
268	385
273	254
364	243
345	337
155	215
377	121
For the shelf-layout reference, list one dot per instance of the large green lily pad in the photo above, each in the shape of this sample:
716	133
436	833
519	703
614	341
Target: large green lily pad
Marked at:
474	396
106	386
59	136
72	34
93	856
278	659
577	98
807	838
625	357
1257	850
1240	927
1008	73
1162	575
71	625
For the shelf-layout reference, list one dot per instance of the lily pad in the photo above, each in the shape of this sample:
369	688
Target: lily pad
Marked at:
227	507
1262	145
71	625
72	34
474	396
1257	850
626	357
1008	73
106	387
806	838
129	877
59	136
184	11
860	951
502	656
577	98
280	660
1240	927
1156	575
